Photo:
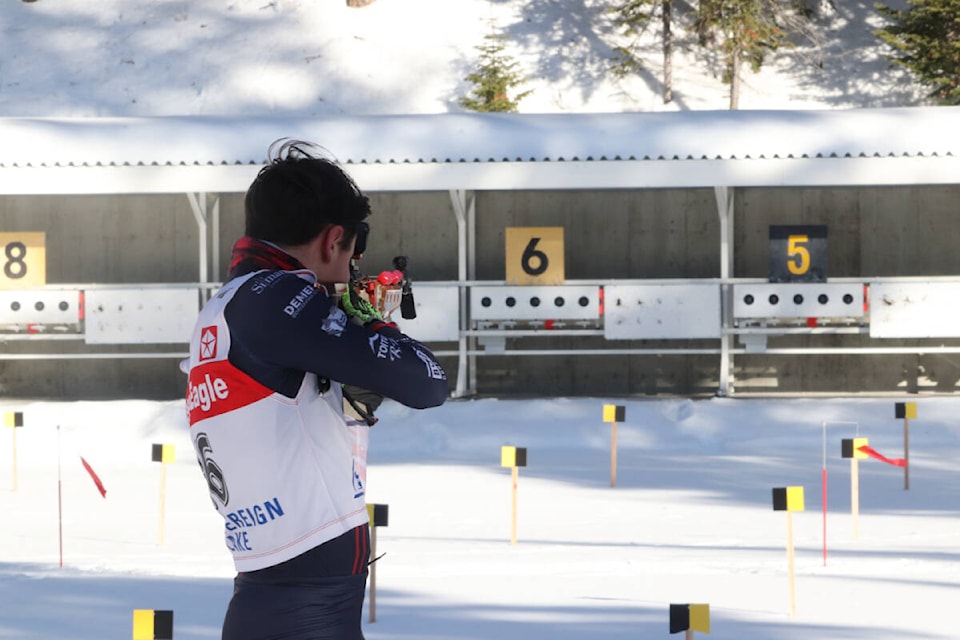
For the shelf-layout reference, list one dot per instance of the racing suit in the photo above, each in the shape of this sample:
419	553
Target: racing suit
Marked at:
285	468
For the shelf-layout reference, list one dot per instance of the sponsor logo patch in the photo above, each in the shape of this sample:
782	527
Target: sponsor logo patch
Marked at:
434	370
208	343
207	391
218	387
298	302
262	283
335	322
385	348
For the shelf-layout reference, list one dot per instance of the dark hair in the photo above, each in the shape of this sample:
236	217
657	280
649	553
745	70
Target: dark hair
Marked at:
299	193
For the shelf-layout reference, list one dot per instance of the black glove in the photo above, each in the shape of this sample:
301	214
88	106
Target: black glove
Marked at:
363	403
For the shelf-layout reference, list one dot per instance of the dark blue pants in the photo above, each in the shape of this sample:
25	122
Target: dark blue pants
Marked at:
303	609
317	595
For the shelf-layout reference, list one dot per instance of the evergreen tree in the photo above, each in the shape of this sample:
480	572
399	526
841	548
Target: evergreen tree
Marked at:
631	17
926	37
494	79
748	30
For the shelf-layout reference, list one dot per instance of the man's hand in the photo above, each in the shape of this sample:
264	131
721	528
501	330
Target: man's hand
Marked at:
358	309
361	404
361	311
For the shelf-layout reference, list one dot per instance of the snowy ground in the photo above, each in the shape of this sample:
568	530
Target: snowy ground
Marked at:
690	520
305	58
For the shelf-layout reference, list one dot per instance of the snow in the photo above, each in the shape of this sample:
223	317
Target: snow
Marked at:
689	520
304	58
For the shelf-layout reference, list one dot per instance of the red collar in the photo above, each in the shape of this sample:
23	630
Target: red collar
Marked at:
250	254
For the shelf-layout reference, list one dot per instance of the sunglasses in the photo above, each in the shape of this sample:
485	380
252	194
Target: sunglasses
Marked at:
361	230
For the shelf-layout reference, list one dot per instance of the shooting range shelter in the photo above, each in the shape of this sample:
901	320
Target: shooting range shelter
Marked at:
667	232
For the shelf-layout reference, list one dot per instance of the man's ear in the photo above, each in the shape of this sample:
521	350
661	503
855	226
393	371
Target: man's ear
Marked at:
330	240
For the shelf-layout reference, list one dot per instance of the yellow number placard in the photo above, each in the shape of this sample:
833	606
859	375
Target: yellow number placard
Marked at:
798	255
24	260
534	255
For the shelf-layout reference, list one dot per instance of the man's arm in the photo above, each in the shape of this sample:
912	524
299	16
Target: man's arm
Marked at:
286	325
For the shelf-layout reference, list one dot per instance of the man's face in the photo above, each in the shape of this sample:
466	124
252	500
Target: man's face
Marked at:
330	254
341	260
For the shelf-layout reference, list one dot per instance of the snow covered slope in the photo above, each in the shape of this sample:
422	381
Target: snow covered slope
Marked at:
309	58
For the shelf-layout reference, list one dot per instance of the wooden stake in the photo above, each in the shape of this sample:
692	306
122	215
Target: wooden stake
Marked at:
513	513
906	454
15	481
163	498
790	565
823	489
373	574
823	483
689	634
59	499
613	455
855	496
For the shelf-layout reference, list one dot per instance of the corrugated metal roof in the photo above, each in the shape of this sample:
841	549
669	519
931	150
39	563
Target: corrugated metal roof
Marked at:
484	138
491	151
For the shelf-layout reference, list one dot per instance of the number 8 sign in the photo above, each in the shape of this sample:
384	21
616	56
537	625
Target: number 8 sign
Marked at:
534	255
24	260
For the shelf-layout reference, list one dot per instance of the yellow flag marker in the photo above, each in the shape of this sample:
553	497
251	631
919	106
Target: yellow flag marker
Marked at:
689	618
14	419
513	457
379	515
789	499
150	624
850	448
906	411
164	454
614	413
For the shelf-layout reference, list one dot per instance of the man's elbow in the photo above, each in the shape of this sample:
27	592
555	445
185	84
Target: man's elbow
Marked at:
436	396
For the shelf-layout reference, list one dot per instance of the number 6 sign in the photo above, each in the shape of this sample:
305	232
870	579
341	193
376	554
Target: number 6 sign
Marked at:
24	260
534	255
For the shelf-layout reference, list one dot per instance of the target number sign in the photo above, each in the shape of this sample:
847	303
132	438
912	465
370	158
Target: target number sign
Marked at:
23	260
534	255
798	253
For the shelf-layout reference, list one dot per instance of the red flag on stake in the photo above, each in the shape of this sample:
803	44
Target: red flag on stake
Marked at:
870	451
94	476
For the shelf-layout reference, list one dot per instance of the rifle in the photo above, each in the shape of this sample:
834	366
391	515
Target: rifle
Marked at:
388	290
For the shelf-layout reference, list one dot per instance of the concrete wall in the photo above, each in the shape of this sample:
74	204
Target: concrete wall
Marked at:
656	233
873	232
110	239
876	232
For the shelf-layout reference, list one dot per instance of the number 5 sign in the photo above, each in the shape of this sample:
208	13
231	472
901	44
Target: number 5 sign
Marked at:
24	260
534	255
798	253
